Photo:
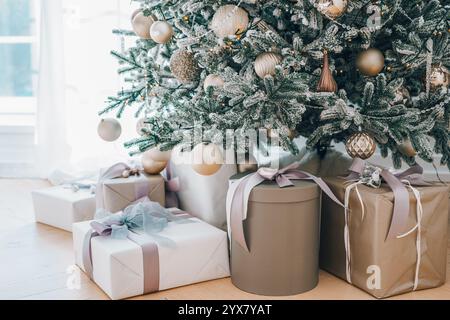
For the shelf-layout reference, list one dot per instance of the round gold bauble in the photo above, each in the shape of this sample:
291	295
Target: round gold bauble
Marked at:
265	64
360	145
370	62
332	8
207	159
407	148
141	24
161	32
184	66
158	155
109	129
229	20
152	166
439	77
213	80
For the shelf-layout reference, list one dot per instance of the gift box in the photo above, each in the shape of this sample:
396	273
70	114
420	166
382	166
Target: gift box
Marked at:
182	253
61	206
274	222
380	265
204	196
116	193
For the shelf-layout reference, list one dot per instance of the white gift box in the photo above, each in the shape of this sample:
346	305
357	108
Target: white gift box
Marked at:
197	252
61	206
204	196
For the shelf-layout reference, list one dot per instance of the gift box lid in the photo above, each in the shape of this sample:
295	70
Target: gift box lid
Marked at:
270	192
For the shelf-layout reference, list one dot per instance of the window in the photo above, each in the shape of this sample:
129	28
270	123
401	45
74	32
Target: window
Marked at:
19	22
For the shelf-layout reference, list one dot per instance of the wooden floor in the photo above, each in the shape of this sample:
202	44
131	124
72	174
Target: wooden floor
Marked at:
36	263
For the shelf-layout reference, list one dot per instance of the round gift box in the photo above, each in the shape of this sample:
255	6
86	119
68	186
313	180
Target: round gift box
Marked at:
282	230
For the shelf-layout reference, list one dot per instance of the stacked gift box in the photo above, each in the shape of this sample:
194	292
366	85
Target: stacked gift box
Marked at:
383	233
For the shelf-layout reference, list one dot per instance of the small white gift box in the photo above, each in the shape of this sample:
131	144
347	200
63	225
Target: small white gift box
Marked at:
61	206
186	253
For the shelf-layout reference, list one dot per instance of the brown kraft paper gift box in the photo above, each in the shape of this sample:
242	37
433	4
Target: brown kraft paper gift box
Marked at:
380	266
118	193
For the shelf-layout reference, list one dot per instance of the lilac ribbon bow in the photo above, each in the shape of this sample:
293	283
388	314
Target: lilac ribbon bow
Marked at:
413	176
239	194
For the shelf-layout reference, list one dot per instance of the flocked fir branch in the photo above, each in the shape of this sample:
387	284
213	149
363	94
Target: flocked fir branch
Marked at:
393	107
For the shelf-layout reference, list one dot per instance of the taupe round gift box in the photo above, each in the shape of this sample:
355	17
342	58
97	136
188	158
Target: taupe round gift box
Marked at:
282	230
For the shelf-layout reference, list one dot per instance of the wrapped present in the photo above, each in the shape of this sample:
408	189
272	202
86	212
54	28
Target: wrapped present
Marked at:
392	238
204	196
147	248
119	186
61	206
274	223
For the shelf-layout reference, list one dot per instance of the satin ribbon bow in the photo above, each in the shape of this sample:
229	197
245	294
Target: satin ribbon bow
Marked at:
361	173
239	194
144	215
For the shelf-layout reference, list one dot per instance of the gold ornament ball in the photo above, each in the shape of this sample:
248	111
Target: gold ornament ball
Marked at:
161	32
207	159
332	8
158	155
439	77
265	64
152	166
109	129
370	62
141	24
229	20
213	80
407	148
360	145
184	66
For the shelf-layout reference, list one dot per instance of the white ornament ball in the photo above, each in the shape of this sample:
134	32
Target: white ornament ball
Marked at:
207	159
161	32
265	64
229	20
142	24
152	166
158	155
109	129
213	80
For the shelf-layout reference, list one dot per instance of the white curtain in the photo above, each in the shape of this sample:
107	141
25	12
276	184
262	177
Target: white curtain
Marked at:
52	149
77	74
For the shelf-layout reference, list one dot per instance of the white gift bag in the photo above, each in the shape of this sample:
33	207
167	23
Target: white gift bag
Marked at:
204	196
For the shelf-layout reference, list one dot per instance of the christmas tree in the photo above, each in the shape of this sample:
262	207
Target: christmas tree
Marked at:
367	73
